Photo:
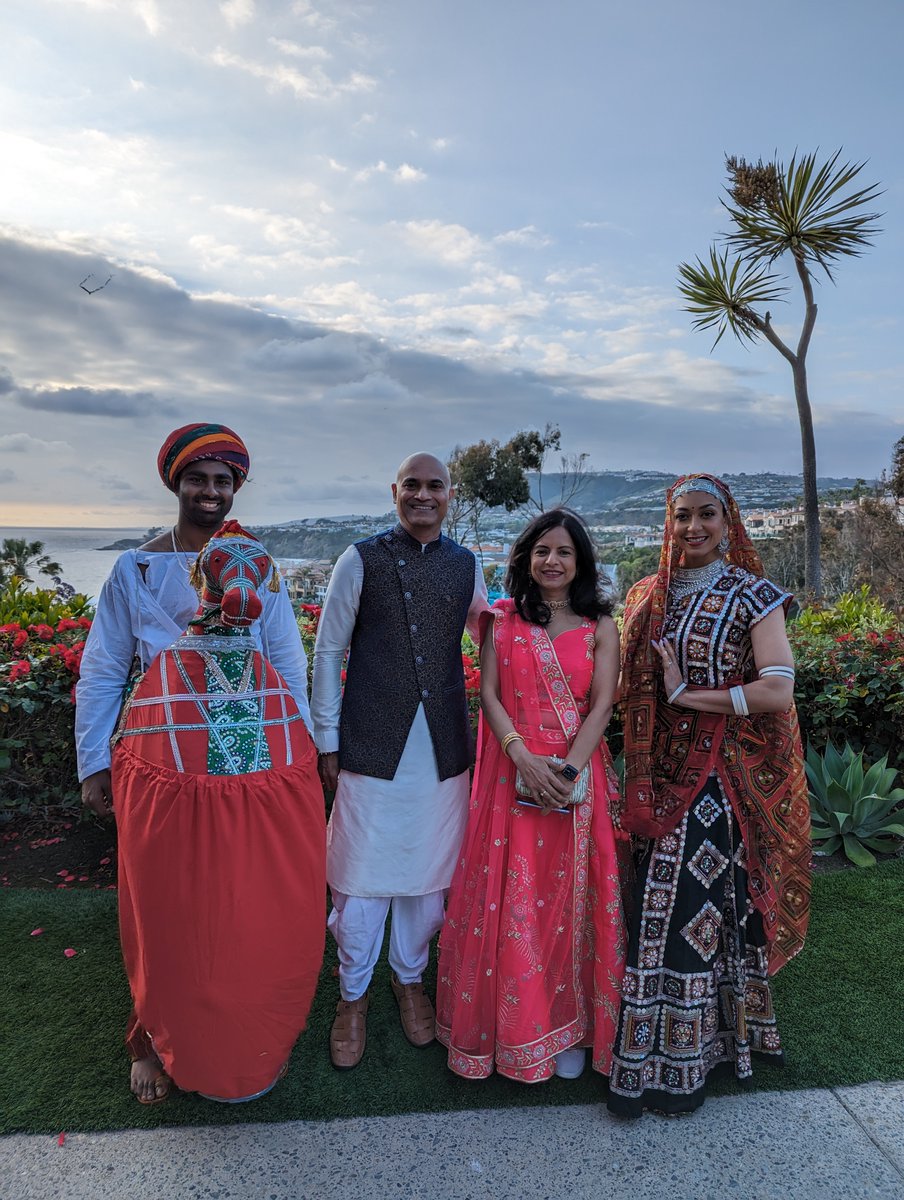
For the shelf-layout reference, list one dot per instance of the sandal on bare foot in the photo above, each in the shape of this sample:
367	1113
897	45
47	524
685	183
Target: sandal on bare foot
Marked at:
150	1083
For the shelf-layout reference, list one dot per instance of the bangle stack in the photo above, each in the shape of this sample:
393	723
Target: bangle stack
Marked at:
508	739
739	701
781	672
682	687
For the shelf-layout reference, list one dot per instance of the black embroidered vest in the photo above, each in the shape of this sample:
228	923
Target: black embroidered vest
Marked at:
406	651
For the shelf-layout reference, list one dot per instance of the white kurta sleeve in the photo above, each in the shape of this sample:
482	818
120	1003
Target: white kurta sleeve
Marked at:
334	635
281	639
106	660
480	602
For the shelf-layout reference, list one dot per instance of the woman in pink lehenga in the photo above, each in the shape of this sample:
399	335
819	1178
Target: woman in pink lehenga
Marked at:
532	952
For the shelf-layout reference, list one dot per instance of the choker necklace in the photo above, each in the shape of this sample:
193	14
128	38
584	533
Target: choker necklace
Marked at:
687	580
555	606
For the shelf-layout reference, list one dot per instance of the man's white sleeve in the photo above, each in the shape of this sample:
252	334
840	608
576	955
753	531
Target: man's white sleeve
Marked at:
479	601
334	635
106	660
282	644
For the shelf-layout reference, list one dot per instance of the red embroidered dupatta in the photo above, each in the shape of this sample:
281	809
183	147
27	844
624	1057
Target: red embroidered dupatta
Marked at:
531	956
670	751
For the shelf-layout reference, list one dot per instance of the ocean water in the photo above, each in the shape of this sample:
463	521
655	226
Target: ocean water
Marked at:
84	565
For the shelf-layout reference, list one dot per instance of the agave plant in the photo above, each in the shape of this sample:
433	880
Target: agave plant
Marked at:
854	806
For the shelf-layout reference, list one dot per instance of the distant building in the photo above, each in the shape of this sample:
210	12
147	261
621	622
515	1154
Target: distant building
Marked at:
307	581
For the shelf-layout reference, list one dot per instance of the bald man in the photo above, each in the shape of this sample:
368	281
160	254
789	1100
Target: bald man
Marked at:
395	746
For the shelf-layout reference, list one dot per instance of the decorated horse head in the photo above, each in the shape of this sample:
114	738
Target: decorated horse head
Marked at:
227	574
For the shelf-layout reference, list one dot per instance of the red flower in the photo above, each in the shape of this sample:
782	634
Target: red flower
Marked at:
44	632
10	627
22	667
65	624
20	639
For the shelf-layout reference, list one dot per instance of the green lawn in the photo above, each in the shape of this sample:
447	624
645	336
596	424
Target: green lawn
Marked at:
63	1065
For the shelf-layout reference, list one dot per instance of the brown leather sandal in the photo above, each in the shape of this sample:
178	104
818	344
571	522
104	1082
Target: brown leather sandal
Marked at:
416	1012
348	1037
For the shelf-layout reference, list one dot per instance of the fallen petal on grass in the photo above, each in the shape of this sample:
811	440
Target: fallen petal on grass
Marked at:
36	933
69	952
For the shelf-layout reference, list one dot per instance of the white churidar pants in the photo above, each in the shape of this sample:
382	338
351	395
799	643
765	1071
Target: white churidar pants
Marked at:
358	924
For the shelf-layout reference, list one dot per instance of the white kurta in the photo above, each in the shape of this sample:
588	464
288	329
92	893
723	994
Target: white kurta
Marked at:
142	616
386	837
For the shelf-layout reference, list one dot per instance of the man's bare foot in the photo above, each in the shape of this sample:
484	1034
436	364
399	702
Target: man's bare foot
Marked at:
150	1082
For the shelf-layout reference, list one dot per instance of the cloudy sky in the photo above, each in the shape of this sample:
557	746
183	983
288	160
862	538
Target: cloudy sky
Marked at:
351	230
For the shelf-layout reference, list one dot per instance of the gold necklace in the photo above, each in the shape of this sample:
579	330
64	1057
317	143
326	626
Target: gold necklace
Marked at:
555	606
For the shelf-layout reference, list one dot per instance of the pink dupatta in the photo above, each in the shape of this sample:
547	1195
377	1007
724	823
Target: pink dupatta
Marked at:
532	952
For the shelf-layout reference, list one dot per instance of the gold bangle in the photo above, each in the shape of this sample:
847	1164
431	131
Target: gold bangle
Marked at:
508	739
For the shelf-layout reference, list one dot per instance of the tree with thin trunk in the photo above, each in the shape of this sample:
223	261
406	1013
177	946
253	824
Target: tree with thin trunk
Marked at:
810	212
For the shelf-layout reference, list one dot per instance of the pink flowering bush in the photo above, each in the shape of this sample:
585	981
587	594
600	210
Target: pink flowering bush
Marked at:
39	667
850	687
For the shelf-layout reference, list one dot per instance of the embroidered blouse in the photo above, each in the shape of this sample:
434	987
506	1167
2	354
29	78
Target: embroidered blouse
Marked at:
710	628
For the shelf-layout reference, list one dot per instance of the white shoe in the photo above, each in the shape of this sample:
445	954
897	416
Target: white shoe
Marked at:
570	1063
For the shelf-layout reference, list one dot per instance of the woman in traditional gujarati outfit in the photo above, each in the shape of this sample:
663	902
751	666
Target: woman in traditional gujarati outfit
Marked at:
715	778
222	844
532	951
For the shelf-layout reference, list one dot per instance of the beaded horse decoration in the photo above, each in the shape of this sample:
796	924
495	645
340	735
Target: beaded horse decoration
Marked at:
211	704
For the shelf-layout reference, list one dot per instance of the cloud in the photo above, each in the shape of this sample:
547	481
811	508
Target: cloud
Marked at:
24	443
319	357
406	173
7	475
313	398
97	402
316	85
528	235
294	50
375	391
237	12
447	243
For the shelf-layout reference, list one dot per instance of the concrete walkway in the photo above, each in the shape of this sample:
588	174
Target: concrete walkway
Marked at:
816	1145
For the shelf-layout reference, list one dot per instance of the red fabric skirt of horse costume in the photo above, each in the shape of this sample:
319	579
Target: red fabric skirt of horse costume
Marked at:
221	864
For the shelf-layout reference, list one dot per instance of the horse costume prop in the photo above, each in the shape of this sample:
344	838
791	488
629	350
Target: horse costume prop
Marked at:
221	843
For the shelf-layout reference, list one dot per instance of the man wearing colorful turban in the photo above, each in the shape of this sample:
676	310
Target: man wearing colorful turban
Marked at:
145	605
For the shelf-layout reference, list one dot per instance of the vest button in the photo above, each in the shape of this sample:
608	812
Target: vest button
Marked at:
419	660
425	693
408	595
414	628
401	562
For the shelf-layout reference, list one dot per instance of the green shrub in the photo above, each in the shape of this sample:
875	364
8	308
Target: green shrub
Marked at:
41	607
853	806
850	677
854	612
39	667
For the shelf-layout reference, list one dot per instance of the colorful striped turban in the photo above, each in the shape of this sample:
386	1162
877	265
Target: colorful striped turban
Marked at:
192	443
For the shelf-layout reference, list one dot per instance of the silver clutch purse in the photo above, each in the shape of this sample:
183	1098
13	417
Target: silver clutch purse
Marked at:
578	790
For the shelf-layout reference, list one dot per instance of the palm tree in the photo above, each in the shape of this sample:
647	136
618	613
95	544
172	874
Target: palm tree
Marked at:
19	557
809	212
